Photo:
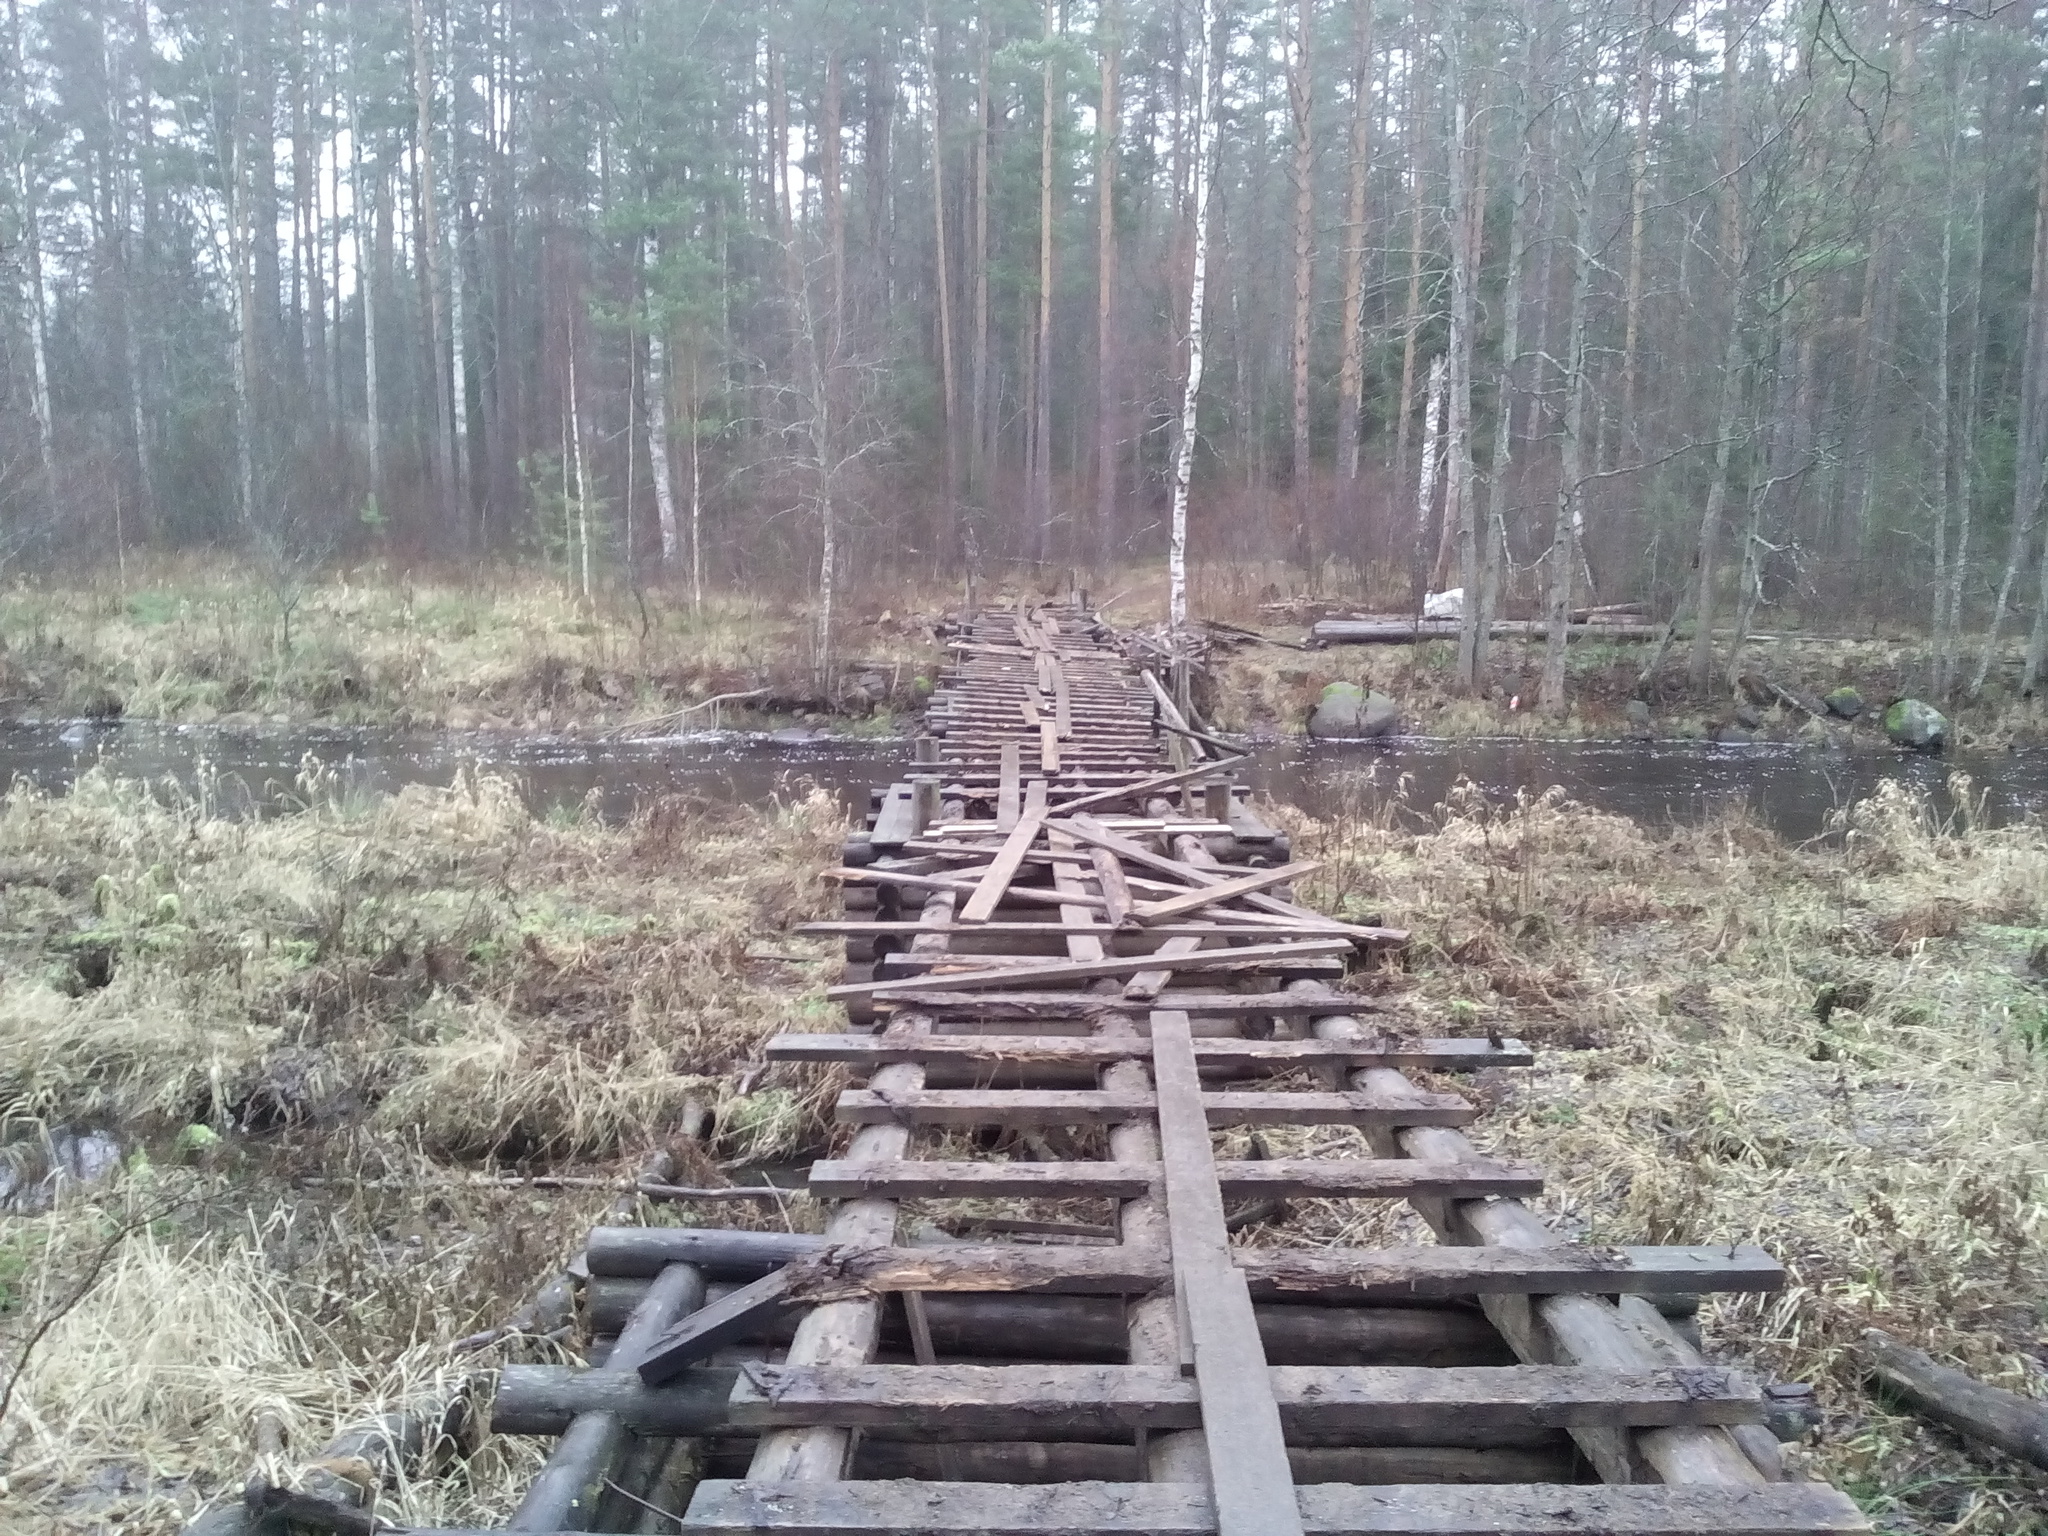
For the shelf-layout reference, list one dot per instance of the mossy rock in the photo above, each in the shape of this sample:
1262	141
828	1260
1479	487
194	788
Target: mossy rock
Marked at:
1916	725
1844	703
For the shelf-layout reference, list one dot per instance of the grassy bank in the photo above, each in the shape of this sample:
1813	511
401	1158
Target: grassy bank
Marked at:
1838	1049
195	641
1273	687
319	1041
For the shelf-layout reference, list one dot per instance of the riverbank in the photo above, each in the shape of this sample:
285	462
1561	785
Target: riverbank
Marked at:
1269	686
320	1041
190	642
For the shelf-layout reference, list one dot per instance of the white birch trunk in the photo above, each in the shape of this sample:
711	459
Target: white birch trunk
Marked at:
657	414
1425	483
1184	451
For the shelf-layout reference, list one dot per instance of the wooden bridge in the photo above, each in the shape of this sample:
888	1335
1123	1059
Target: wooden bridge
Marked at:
1075	958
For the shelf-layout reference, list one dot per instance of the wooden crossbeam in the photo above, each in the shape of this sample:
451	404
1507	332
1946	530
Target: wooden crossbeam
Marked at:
1271	1178
1047	1106
1008	804
709	1328
1245	958
1280	1055
1227	890
1017	1006
1321	1509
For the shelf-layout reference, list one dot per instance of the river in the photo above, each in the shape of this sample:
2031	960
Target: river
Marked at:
1791	788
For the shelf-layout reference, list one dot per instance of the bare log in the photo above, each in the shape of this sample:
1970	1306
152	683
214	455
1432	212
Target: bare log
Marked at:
1989	1415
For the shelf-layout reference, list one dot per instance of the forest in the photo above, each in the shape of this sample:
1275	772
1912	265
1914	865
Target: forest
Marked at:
1728	309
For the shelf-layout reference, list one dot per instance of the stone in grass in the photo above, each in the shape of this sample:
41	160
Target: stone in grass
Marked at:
1348	712
1640	724
1845	703
1910	723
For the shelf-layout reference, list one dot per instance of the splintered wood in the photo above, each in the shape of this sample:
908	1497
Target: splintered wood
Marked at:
1061	987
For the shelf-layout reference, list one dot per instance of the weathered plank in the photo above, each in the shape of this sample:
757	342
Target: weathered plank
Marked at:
1022	1005
896	821
1413	1273
1251	1485
746	1311
1228	890
1270	1178
1363	1405
1326	1509
1455	1055
1051	1106
1146	985
1243	958
1009	787
988	895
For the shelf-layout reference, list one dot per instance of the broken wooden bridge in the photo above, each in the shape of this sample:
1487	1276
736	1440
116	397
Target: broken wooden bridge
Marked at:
1075	958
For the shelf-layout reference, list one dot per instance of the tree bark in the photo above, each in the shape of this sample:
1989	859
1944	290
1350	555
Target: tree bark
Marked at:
949	397
1107	543
1571	480
1301	102
1458	502
1041	403
440	418
977	469
1351	373
1733	257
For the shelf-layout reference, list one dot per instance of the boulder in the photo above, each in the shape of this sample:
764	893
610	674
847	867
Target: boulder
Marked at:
1749	718
1349	712
1444	605
1910	723
1845	703
1639	723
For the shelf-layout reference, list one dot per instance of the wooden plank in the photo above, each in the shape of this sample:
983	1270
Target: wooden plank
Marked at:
1270	1178
1083	1005
1051	927
1145	786
953	883
1029	710
1007	791
1146	985
737	1316
1048	1106
1245	958
1321	1509
1250	1481
988	895
1363	1405
1399	1274
1228	890
1062	700
1048	746
896	821
1281	1055
1116	890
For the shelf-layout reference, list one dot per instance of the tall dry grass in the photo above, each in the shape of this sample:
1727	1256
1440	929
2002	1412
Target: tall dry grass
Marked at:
1837	1049
310	1034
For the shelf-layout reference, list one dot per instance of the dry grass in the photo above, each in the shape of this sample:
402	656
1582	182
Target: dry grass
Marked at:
1891	1144
364	1002
191	640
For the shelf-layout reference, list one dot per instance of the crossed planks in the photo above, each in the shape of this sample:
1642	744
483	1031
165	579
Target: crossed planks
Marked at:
1027	857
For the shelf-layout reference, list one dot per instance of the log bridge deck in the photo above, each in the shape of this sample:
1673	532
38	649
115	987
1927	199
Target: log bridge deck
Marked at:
1075	957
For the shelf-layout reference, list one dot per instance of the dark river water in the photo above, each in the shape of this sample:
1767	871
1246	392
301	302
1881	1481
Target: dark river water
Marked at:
1792	788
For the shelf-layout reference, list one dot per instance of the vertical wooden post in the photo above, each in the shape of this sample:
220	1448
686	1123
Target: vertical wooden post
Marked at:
926	750
1216	799
924	800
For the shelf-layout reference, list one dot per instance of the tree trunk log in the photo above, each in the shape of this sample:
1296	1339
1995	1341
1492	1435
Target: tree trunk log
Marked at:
1992	1416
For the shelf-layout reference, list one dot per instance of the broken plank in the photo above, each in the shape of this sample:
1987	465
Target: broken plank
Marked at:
1269	1178
1116	890
907	1508
1048	747
1228	890
988	895
1244	958
725	1321
1146	985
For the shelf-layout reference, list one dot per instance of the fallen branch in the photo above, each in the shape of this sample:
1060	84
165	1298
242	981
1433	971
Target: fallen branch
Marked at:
674	716
2005	1420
